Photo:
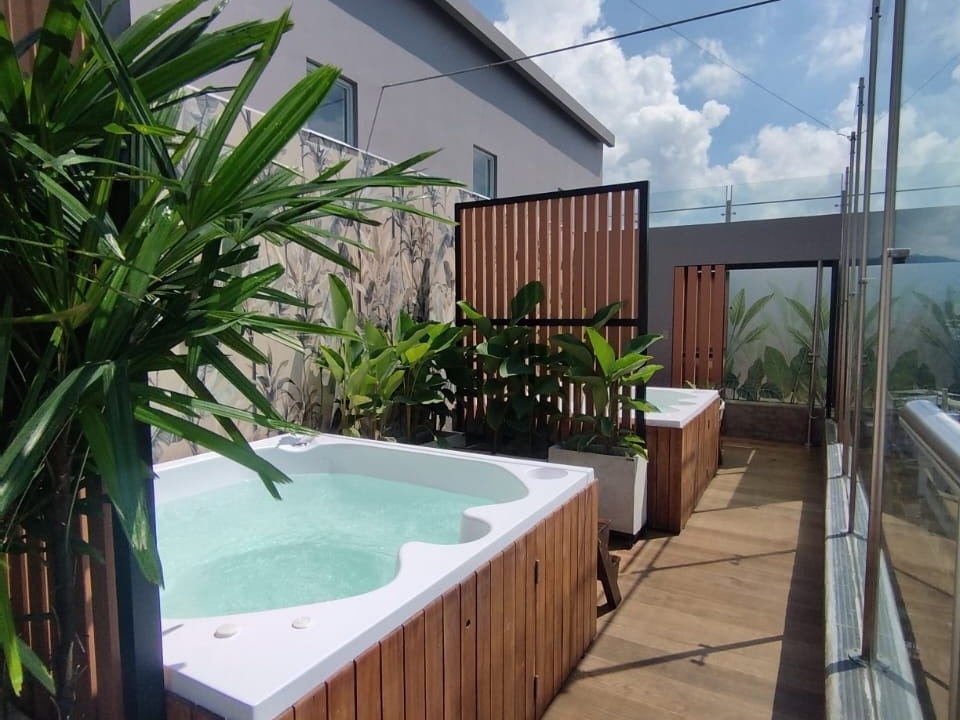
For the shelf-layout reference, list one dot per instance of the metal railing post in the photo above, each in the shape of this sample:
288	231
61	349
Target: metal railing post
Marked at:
862	269
875	527
814	353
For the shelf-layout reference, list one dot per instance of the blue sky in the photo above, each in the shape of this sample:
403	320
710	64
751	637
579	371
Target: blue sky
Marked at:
687	121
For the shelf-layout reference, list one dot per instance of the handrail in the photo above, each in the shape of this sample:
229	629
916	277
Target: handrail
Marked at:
937	435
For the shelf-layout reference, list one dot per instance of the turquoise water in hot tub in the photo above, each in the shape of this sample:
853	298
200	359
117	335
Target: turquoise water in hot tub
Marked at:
236	549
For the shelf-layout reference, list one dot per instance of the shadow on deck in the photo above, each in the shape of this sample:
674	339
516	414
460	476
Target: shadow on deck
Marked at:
724	620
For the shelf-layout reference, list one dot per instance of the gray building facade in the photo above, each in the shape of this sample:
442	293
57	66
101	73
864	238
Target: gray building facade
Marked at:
531	134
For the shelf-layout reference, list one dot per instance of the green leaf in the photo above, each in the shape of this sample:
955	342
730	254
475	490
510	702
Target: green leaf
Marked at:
34	665
605	315
8	633
22	458
602	351
526	299
240	453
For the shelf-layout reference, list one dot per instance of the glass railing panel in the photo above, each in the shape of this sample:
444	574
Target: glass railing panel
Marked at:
698	206
795	197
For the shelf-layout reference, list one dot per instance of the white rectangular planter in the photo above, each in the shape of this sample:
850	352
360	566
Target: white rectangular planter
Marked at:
622	482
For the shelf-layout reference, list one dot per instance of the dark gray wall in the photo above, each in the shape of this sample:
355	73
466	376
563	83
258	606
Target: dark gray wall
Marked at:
757	242
538	147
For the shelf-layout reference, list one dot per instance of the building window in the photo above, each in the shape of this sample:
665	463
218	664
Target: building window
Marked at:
484	172
336	117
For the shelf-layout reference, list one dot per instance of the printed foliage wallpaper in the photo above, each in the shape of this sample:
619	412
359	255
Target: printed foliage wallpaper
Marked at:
408	264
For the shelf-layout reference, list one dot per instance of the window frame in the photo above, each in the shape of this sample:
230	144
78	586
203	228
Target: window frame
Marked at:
349	88
491	171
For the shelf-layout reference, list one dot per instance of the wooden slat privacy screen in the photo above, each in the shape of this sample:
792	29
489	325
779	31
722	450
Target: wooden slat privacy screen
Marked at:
588	247
699	325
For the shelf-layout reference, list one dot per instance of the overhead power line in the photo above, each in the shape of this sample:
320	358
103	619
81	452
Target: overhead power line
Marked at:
566	48
739	72
587	43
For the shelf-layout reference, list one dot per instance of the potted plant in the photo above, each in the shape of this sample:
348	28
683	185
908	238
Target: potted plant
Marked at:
516	385
609	442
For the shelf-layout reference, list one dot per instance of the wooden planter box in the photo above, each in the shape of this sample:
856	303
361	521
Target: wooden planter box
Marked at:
682	461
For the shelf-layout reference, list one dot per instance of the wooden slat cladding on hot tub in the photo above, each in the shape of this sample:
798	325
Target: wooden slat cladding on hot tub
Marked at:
682	462
497	645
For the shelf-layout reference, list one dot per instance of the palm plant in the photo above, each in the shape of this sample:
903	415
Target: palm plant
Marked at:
123	248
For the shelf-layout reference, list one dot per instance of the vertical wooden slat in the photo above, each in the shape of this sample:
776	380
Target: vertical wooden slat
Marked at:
311	707
553	278
510	259
679	313
530	621
497	656
484	677
287	714
495	250
615	248
341	694
530	249
566	634
489	288
541	659
558	600
690	325
580	272
590	255
603	251
414	679
468	647
570	283
629	256
433	658
520	619
451	654
704	330
391	680
542	244
718	325
509	571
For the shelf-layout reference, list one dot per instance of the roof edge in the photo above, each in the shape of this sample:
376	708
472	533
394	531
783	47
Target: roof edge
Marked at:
483	30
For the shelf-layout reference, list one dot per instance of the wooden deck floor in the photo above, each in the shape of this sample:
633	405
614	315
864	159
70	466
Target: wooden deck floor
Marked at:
724	620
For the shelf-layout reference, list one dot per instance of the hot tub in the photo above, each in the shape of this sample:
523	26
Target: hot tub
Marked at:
509	597
683	448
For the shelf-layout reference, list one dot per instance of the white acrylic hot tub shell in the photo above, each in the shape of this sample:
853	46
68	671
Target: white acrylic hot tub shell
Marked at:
677	406
268	664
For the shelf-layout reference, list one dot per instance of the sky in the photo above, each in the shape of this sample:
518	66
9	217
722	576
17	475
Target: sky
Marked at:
684	120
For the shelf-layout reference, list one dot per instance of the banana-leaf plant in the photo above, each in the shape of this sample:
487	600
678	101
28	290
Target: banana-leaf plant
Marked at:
741	332
122	248
376	376
609	380
429	352
516	384
363	369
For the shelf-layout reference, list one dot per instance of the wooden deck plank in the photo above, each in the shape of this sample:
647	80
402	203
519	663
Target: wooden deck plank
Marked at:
724	620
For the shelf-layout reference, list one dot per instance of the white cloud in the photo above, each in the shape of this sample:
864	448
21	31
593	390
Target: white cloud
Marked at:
713	78
799	150
956	73
839	50
659	136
